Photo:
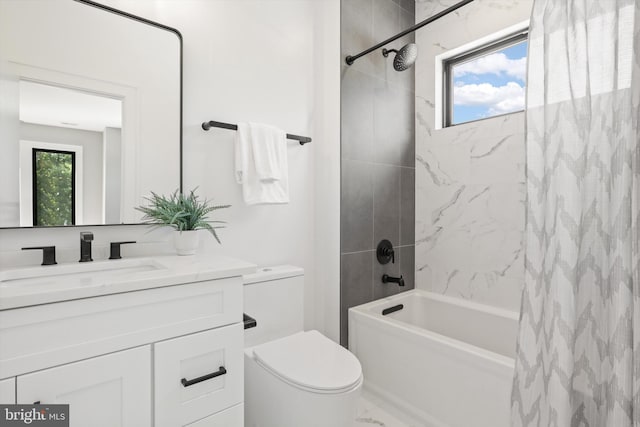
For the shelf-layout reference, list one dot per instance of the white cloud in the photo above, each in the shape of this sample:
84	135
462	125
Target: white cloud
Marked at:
497	99
495	63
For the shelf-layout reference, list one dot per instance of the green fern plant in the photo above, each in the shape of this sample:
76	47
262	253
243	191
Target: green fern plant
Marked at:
182	212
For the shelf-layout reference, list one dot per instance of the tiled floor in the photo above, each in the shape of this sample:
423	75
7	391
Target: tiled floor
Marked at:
370	414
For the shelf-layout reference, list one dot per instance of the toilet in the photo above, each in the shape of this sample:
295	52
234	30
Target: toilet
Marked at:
293	378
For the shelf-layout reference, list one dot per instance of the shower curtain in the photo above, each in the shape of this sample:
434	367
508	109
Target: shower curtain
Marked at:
578	355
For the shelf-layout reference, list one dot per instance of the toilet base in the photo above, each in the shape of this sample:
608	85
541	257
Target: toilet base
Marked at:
272	402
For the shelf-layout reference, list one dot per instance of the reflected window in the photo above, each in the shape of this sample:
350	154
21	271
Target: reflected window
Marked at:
486	82
54	187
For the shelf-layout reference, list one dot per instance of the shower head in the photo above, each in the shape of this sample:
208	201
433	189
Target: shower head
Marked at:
404	58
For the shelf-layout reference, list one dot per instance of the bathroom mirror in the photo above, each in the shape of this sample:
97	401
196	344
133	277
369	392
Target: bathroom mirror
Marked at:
90	113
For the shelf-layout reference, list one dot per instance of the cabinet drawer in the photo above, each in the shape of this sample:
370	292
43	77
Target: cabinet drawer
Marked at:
8	391
106	391
232	417
198	375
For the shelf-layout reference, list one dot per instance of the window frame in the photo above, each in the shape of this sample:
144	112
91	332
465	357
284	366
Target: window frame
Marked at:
26	176
469	55
34	182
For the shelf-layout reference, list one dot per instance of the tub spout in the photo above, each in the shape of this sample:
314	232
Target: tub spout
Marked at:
389	279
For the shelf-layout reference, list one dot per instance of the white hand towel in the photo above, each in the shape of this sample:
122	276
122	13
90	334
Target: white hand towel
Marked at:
269	148
271	184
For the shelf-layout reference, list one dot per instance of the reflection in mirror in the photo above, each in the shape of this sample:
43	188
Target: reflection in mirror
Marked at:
70	156
90	113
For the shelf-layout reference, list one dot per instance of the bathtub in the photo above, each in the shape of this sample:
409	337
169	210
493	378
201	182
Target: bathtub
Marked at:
439	360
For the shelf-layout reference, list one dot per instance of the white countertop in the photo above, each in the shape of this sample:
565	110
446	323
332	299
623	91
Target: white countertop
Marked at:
30	286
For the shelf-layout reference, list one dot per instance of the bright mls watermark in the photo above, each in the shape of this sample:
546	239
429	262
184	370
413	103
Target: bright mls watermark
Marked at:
34	415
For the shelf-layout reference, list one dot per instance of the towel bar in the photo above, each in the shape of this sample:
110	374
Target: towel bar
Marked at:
208	125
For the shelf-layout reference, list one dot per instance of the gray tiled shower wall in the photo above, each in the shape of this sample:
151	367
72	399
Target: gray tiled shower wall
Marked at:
378	154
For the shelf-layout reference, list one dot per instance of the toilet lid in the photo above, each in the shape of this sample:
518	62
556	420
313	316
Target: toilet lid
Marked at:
310	360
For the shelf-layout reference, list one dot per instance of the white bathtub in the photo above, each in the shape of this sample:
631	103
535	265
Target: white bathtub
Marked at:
440	360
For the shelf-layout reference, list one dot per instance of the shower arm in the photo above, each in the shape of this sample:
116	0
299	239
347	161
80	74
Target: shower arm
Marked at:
352	58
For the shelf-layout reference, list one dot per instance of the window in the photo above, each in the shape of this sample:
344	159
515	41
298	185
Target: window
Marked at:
53	187
486	82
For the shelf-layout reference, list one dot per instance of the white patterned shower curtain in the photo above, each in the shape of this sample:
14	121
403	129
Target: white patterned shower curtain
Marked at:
578	356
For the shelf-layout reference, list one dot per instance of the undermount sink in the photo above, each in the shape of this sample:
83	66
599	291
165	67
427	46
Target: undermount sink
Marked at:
80	272
31	286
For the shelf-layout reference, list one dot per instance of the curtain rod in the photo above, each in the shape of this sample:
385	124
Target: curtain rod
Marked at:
352	58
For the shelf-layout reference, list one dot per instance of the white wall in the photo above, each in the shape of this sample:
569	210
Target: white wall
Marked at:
112	175
273	61
470	189
327	168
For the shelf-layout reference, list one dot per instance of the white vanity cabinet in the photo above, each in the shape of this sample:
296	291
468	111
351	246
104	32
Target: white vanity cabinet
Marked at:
105	391
129	358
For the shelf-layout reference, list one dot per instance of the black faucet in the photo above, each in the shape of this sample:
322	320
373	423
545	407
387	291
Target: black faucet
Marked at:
85	246
388	279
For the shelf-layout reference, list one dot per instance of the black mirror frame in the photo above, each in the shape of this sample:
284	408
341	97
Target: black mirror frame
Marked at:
155	24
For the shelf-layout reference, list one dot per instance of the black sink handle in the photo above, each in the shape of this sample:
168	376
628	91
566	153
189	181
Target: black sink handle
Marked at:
48	254
114	250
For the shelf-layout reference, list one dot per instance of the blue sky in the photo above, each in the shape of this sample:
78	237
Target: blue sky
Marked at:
490	85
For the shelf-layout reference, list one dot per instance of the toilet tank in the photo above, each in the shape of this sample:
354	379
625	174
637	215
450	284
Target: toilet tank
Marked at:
274	297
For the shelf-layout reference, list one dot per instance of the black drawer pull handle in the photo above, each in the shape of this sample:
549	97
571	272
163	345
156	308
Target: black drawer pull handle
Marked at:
185	382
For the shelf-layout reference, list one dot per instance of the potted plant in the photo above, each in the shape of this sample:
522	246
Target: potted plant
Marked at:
186	214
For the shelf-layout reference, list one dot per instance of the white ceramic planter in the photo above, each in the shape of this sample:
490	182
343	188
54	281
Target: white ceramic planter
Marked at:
186	242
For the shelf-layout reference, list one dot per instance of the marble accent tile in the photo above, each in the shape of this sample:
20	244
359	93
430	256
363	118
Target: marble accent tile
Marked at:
486	288
425	111
447	162
355	287
386	195
447	249
438	209
475	250
356	218
357	114
426	8
499	159
469	177
407	206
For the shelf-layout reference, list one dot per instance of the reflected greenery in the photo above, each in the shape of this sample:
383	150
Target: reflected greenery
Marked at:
53	195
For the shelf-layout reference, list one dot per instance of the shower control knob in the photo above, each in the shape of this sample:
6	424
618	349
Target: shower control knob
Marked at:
385	252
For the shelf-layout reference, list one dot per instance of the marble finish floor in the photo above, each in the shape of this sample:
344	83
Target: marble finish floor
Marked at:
372	415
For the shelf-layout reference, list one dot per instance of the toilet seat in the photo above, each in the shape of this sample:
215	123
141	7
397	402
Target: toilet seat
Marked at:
310	361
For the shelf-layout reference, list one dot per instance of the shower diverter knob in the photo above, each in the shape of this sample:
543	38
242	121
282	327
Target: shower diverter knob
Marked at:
385	252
